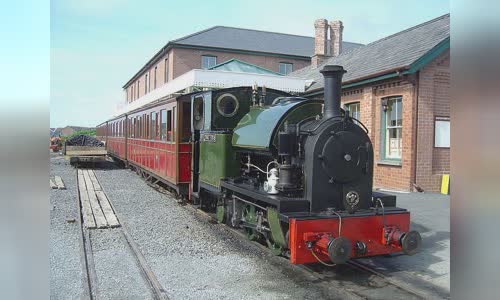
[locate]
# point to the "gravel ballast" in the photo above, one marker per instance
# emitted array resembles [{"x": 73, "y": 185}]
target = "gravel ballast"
[
  {"x": 194, "y": 259},
  {"x": 64, "y": 237},
  {"x": 115, "y": 266}
]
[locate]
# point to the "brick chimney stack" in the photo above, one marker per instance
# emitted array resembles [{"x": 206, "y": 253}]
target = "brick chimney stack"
[
  {"x": 320, "y": 42},
  {"x": 336, "y": 29}
]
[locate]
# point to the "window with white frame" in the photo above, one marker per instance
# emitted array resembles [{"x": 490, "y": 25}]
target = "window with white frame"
[
  {"x": 442, "y": 132},
  {"x": 208, "y": 61},
  {"x": 353, "y": 109},
  {"x": 392, "y": 128},
  {"x": 285, "y": 68}
]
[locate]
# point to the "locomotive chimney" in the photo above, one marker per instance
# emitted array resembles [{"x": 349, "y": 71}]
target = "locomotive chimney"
[{"x": 332, "y": 90}]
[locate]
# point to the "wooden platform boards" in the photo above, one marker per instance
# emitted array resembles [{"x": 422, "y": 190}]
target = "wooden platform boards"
[
  {"x": 59, "y": 184},
  {"x": 96, "y": 209}
]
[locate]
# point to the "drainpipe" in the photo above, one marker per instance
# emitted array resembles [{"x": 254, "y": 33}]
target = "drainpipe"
[{"x": 416, "y": 84}]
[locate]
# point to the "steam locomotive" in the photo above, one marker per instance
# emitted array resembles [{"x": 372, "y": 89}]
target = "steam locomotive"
[{"x": 291, "y": 172}]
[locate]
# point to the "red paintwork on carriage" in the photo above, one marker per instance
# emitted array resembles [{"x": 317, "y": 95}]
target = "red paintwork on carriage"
[
  {"x": 160, "y": 158},
  {"x": 116, "y": 146},
  {"x": 167, "y": 157}
]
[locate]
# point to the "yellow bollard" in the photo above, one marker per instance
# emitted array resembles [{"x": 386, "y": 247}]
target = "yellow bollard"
[{"x": 445, "y": 184}]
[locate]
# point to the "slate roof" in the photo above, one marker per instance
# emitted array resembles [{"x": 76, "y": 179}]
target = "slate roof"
[
  {"x": 254, "y": 40},
  {"x": 397, "y": 51},
  {"x": 248, "y": 40},
  {"x": 236, "y": 65}
]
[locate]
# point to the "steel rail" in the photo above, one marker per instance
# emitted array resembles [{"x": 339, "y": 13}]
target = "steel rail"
[
  {"x": 353, "y": 264},
  {"x": 157, "y": 291}
]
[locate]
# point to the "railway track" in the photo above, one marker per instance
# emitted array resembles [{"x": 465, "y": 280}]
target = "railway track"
[
  {"x": 358, "y": 280},
  {"x": 89, "y": 272},
  {"x": 361, "y": 281}
]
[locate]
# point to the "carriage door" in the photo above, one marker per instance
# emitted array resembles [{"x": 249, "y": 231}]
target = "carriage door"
[{"x": 197, "y": 122}]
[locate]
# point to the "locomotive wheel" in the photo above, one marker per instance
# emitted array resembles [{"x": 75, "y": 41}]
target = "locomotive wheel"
[
  {"x": 275, "y": 248},
  {"x": 221, "y": 211},
  {"x": 250, "y": 217}
]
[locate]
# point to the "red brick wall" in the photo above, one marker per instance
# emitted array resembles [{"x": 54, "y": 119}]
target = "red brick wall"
[
  {"x": 388, "y": 176},
  {"x": 425, "y": 165},
  {"x": 433, "y": 101},
  {"x": 188, "y": 59},
  {"x": 395, "y": 177},
  {"x": 183, "y": 60}
]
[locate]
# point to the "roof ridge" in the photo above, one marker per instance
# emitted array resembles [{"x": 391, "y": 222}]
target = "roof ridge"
[
  {"x": 409, "y": 29},
  {"x": 193, "y": 34},
  {"x": 258, "y": 30}
]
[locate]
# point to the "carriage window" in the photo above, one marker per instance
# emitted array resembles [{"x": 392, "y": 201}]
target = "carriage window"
[
  {"x": 148, "y": 127},
  {"x": 169, "y": 125},
  {"x": 132, "y": 126},
  {"x": 174, "y": 121},
  {"x": 137, "y": 127},
  {"x": 138, "y": 135},
  {"x": 227, "y": 105},
  {"x": 186, "y": 123},
  {"x": 392, "y": 128},
  {"x": 153, "y": 126},
  {"x": 158, "y": 125},
  {"x": 198, "y": 113},
  {"x": 163, "y": 126}
]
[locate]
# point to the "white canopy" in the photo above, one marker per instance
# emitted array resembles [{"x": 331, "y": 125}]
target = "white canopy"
[{"x": 215, "y": 79}]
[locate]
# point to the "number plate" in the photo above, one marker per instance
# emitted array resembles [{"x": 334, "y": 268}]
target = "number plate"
[{"x": 208, "y": 137}]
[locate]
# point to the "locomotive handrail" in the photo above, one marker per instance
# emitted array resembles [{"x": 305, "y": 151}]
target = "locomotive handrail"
[{"x": 362, "y": 125}]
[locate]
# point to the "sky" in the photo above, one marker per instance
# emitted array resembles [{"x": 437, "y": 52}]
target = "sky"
[{"x": 96, "y": 46}]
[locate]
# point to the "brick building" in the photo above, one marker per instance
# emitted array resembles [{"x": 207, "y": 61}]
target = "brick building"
[
  {"x": 278, "y": 52},
  {"x": 399, "y": 88}
]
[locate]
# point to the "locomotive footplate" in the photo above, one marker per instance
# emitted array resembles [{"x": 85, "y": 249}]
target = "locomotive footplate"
[
  {"x": 299, "y": 208},
  {"x": 282, "y": 204}
]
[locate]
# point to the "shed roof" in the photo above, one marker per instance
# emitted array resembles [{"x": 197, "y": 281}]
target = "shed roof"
[
  {"x": 405, "y": 50},
  {"x": 254, "y": 40},
  {"x": 236, "y": 65}
]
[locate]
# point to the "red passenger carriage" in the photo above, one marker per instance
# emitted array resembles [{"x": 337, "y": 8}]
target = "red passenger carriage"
[{"x": 154, "y": 138}]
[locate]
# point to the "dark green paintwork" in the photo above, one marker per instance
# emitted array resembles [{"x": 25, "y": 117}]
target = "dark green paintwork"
[
  {"x": 250, "y": 217},
  {"x": 217, "y": 159},
  {"x": 255, "y": 130},
  {"x": 220, "y": 212},
  {"x": 276, "y": 232}
]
